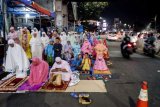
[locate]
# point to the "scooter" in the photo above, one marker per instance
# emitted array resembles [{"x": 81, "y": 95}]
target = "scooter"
[
  {"x": 127, "y": 50},
  {"x": 149, "y": 49}
]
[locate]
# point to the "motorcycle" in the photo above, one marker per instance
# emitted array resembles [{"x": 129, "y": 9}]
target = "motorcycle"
[
  {"x": 149, "y": 49},
  {"x": 134, "y": 44},
  {"x": 127, "y": 50}
]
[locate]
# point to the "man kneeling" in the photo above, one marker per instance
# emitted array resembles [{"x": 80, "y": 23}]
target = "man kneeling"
[{"x": 60, "y": 72}]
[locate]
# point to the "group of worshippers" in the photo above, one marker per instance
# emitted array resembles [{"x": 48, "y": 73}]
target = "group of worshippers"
[{"x": 67, "y": 53}]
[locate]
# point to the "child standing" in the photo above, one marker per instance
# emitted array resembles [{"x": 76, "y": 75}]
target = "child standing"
[{"x": 49, "y": 52}]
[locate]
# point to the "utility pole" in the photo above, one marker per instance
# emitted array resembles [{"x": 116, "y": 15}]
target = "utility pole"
[
  {"x": 74, "y": 6},
  {"x": 155, "y": 19}
]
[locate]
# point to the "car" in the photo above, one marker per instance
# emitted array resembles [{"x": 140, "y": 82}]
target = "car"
[{"x": 112, "y": 36}]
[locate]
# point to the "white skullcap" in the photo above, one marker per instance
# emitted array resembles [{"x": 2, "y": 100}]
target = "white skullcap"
[
  {"x": 11, "y": 41},
  {"x": 58, "y": 59}
]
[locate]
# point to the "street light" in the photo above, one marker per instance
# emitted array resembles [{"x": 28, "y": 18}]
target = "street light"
[
  {"x": 104, "y": 21},
  {"x": 27, "y": 15}
]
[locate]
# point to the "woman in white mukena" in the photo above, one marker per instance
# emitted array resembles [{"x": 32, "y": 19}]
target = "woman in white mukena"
[
  {"x": 36, "y": 46},
  {"x": 16, "y": 59}
]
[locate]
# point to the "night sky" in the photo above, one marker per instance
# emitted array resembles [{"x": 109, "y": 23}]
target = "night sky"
[{"x": 132, "y": 11}]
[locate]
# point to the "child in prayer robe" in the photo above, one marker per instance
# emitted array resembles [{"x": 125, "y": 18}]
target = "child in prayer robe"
[{"x": 86, "y": 63}]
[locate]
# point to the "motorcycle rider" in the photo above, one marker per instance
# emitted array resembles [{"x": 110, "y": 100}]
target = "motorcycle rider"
[
  {"x": 151, "y": 39},
  {"x": 126, "y": 40}
]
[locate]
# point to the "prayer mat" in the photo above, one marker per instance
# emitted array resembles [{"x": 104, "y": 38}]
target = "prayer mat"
[
  {"x": 27, "y": 87},
  {"x": 48, "y": 87},
  {"x": 106, "y": 72},
  {"x": 11, "y": 84},
  {"x": 88, "y": 86}
]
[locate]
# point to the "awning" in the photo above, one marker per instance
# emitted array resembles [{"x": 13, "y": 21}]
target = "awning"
[{"x": 33, "y": 5}]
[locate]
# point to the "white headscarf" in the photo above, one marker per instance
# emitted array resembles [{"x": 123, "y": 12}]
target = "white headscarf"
[
  {"x": 35, "y": 30},
  {"x": 45, "y": 40}
]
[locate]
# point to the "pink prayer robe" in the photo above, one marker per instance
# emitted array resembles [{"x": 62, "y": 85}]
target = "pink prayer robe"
[
  {"x": 38, "y": 72},
  {"x": 101, "y": 50},
  {"x": 100, "y": 64},
  {"x": 86, "y": 47},
  {"x": 95, "y": 42}
]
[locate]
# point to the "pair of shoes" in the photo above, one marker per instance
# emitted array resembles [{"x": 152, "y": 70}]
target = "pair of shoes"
[
  {"x": 91, "y": 78},
  {"x": 105, "y": 78},
  {"x": 83, "y": 95},
  {"x": 73, "y": 94},
  {"x": 99, "y": 77},
  {"x": 84, "y": 99},
  {"x": 109, "y": 63}
]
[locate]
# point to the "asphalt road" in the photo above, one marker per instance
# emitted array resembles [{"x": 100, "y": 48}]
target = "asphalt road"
[{"x": 123, "y": 88}]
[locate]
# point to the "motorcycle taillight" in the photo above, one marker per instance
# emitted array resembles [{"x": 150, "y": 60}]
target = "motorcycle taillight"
[
  {"x": 134, "y": 43},
  {"x": 129, "y": 45}
]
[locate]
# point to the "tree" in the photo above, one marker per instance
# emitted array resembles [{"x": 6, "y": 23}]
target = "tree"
[{"x": 91, "y": 10}]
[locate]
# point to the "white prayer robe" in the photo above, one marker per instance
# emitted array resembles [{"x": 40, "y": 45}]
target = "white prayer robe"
[
  {"x": 36, "y": 47},
  {"x": 45, "y": 40},
  {"x": 63, "y": 39},
  {"x": 66, "y": 76},
  {"x": 16, "y": 60}
]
